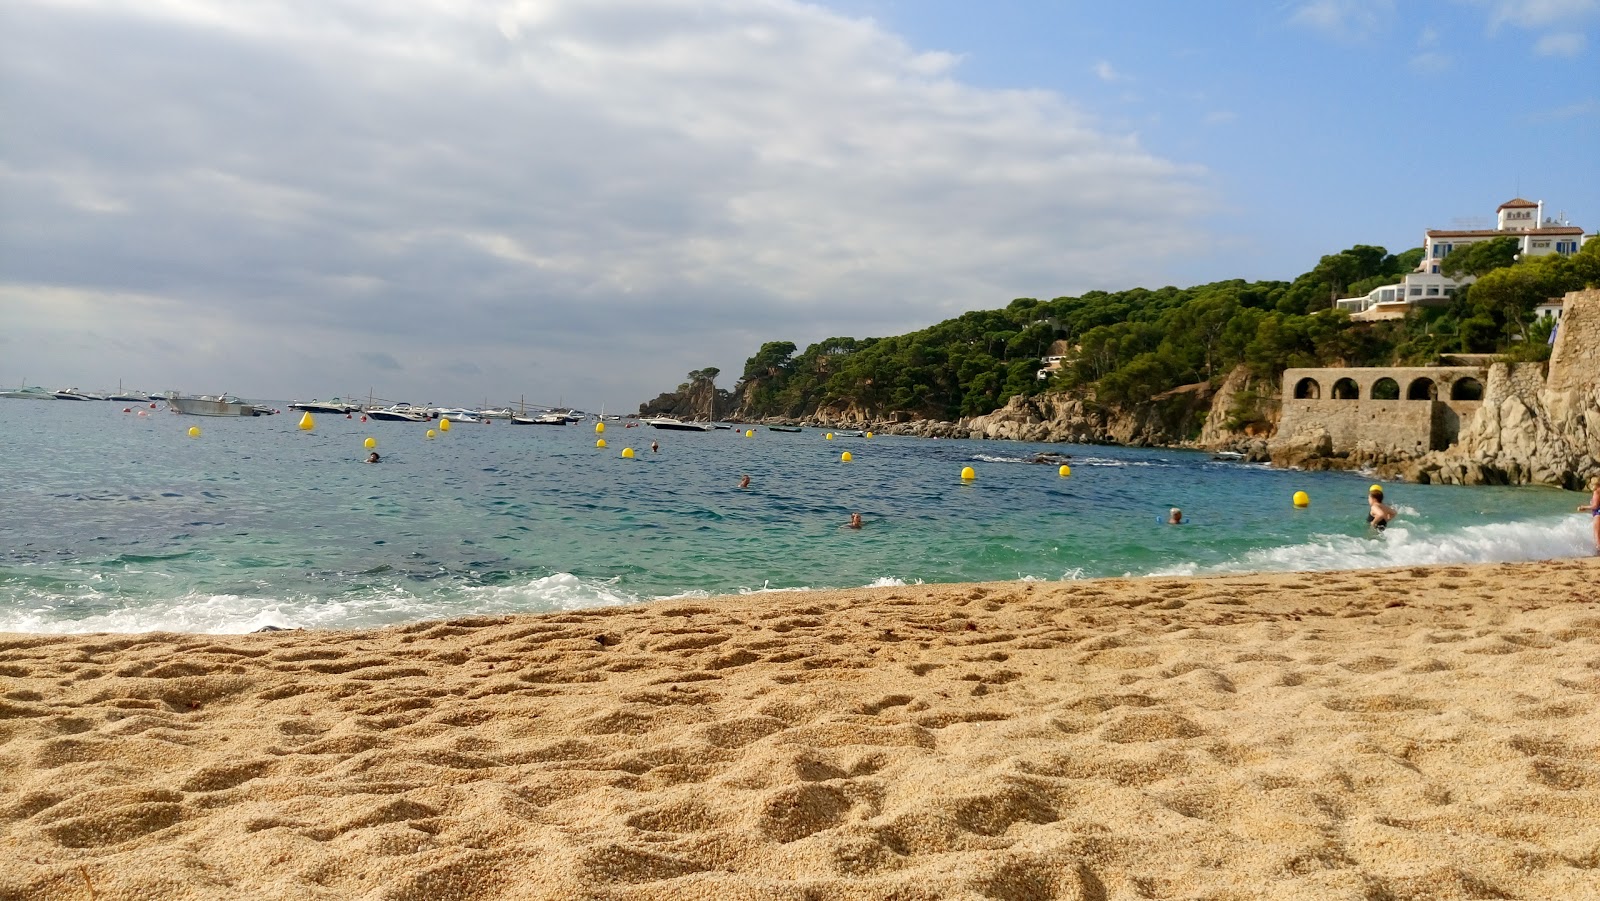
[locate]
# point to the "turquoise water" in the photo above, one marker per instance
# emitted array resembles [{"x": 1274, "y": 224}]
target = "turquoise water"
[{"x": 113, "y": 521}]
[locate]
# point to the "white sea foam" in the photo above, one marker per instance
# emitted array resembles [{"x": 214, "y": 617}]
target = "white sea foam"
[
  {"x": 225, "y": 614},
  {"x": 1411, "y": 544}
]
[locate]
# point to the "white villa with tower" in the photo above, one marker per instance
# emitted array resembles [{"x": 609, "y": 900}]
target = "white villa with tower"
[{"x": 1426, "y": 286}]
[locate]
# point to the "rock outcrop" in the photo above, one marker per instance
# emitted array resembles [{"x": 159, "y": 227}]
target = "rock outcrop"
[
  {"x": 697, "y": 398},
  {"x": 1536, "y": 426}
]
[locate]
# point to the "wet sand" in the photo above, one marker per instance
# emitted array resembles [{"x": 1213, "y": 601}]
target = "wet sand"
[{"x": 1395, "y": 734}]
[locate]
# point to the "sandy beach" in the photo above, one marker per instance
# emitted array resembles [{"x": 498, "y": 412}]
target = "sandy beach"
[{"x": 1393, "y": 734}]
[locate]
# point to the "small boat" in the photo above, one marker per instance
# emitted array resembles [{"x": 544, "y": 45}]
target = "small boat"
[
  {"x": 31, "y": 393},
  {"x": 675, "y": 424},
  {"x": 325, "y": 406},
  {"x": 214, "y": 405},
  {"x": 849, "y": 433},
  {"x": 75, "y": 394},
  {"x": 460, "y": 415},
  {"x": 128, "y": 396},
  {"x": 1228, "y": 457},
  {"x": 784, "y": 428},
  {"x": 502, "y": 413},
  {"x": 399, "y": 413},
  {"x": 540, "y": 419}
]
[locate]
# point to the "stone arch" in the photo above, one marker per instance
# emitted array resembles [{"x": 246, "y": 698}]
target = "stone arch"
[
  {"x": 1422, "y": 388},
  {"x": 1467, "y": 388},
  {"x": 1346, "y": 389},
  {"x": 1307, "y": 389},
  {"x": 1385, "y": 389}
]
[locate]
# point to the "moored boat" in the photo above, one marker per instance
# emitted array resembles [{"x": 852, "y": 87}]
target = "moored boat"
[
  {"x": 214, "y": 405},
  {"x": 674, "y": 424},
  {"x": 325, "y": 406},
  {"x": 784, "y": 428},
  {"x": 540, "y": 419},
  {"x": 460, "y": 415},
  {"x": 28, "y": 393},
  {"x": 399, "y": 413},
  {"x": 75, "y": 394}
]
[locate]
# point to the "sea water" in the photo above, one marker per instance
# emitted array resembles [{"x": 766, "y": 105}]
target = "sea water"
[{"x": 112, "y": 521}]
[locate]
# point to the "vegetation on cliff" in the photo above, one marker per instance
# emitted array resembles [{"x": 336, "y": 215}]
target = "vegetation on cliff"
[{"x": 1128, "y": 348}]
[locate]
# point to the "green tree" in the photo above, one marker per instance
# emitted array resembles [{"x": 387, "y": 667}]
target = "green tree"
[{"x": 1481, "y": 258}]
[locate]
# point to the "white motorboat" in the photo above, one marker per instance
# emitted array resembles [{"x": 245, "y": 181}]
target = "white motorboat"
[
  {"x": 849, "y": 433},
  {"x": 675, "y": 424},
  {"x": 336, "y": 406},
  {"x": 75, "y": 394},
  {"x": 214, "y": 405},
  {"x": 129, "y": 395},
  {"x": 460, "y": 415},
  {"x": 540, "y": 419},
  {"x": 399, "y": 413},
  {"x": 30, "y": 393}
]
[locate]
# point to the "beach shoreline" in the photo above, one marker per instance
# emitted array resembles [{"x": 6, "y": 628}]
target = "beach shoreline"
[{"x": 1407, "y": 733}]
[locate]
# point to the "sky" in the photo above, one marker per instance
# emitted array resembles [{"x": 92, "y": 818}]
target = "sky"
[{"x": 579, "y": 201}]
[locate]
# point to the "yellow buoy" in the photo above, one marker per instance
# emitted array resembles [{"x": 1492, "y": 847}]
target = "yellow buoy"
[
  {"x": 444, "y": 425},
  {"x": 370, "y": 443},
  {"x": 432, "y": 433},
  {"x": 869, "y": 434},
  {"x": 1064, "y": 471},
  {"x": 307, "y": 423},
  {"x": 599, "y": 428},
  {"x": 845, "y": 457},
  {"x": 627, "y": 453},
  {"x": 749, "y": 433},
  {"x": 828, "y": 436},
  {"x": 600, "y": 442},
  {"x": 1301, "y": 499},
  {"x": 194, "y": 431},
  {"x": 968, "y": 473}
]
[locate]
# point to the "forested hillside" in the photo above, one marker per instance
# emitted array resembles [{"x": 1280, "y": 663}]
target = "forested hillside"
[{"x": 1124, "y": 348}]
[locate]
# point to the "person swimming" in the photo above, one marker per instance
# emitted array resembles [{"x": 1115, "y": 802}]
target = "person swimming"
[
  {"x": 744, "y": 482},
  {"x": 1378, "y": 513},
  {"x": 372, "y": 457},
  {"x": 1175, "y": 517},
  {"x": 855, "y": 521}
]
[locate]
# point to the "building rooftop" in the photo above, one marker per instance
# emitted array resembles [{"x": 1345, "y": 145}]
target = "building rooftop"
[
  {"x": 1509, "y": 233},
  {"x": 1516, "y": 204}
]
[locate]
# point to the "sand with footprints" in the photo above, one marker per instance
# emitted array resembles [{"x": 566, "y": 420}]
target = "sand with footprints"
[{"x": 1397, "y": 734}]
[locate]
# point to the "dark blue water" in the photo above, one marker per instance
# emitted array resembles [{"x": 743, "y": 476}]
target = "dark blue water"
[{"x": 113, "y": 521}]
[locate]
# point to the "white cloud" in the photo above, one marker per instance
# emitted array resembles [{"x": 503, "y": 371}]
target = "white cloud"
[
  {"x": 621, "y": 190},
  {"x": 1346, "y": 20},
  {"x": 1567, "y": 43},
  {"x": 1105, "y": 72},
  {"x": 1536, "y": 14}
]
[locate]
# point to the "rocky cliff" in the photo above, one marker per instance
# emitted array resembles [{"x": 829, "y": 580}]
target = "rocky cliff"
[
  {"x": 698, "y": 398},
  {"x": 1537, "y": 425}
]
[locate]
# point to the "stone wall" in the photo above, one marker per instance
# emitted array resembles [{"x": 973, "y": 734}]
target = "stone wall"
[
  {"x": 1339, "y": 404},
  {"x": 1575, "y": 360}
]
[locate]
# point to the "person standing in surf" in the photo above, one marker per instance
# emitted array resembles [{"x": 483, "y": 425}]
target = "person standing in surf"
[
  {"x": 1593, "y": 509},
  {"x": 1378, "y": 512}
]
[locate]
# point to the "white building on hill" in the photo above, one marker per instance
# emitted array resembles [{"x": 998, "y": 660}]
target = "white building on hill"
[{"x": 1426, "y": 286}]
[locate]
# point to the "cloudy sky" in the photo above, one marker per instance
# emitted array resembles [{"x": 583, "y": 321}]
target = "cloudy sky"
[{"x": 581, "y": 200}]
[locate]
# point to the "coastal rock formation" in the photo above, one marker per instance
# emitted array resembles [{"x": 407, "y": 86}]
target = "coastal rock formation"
[
  {"x": 1244, "y": 413},
  {"x": 1533, "y": 428},
  {"x": 698, "y": 398}
]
